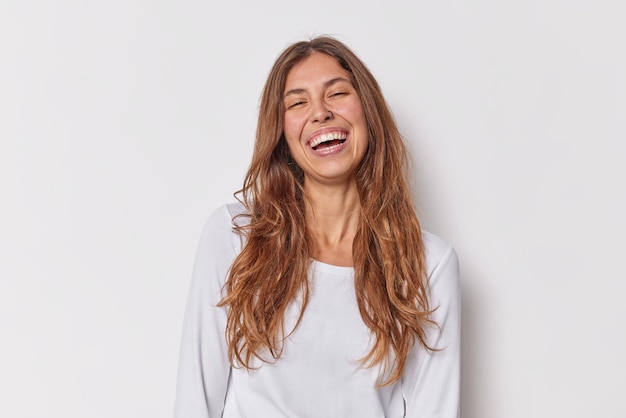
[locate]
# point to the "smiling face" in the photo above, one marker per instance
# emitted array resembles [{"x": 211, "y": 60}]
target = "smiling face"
[{"x": 324, "y": 122}]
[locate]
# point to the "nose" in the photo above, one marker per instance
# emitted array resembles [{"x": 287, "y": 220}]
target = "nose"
[{"x": 321, "y": 113}]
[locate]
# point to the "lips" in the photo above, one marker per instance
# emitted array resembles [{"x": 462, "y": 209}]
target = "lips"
[{"x": 328, "y": 140}]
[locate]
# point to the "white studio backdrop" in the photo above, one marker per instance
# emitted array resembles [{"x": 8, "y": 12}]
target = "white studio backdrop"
[{"x": 123, "y": 124}]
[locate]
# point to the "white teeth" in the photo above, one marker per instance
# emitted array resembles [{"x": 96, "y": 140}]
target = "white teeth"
[{"x": 327, "y": 137}]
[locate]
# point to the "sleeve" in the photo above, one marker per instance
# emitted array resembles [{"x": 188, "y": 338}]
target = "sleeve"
[
  {"x": 204, "y": 369},
  {"x": 431, "y": 382}
]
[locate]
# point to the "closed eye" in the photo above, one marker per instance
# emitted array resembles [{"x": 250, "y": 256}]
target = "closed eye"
[{"x": 296, "y": 104}]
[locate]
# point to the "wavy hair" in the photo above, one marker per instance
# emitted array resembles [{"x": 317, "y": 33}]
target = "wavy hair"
[{"x": 270, "y": 272}]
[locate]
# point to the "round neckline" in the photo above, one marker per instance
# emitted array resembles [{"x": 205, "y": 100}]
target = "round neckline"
[{"x": 331, "y": 268}]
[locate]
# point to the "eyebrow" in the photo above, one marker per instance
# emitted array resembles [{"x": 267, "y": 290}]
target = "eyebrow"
[{"x": 326, "y": 85}]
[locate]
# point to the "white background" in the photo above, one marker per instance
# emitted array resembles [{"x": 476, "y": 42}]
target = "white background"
[{"x": 123, "y": 124}]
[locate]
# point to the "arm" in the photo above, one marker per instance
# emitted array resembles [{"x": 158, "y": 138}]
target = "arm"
[
  {"x": 204, "y": 368},
  {"x": 431, "y": 383}
]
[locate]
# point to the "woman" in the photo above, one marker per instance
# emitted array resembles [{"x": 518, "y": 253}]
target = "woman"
[{"x": 318, "y": 295}]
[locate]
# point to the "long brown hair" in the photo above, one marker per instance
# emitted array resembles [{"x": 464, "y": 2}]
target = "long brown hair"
[{"x": 271, "y": 270}]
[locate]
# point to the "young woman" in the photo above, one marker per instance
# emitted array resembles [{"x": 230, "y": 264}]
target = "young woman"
[{"x": 318, "y": 295}]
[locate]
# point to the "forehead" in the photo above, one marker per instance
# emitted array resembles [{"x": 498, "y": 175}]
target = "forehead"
[{"x": 313, "y": 71}]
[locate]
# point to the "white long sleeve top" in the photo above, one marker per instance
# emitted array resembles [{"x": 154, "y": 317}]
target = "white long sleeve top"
[{"x": 319, "y": 374}]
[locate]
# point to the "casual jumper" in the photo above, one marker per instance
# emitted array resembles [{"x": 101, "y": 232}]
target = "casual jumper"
[{"x": 319, "y": 373}]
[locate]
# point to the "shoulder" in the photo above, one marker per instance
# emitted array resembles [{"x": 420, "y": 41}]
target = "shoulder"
[
  {"x": 441, "y": 259},
  {"x": 218, "y": 232},
  {"x": 225, "y": 217},
  {"x": 236, "y": 210}
]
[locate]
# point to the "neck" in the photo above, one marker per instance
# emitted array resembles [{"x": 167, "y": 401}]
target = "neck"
[{"x": 332, "y": 216}]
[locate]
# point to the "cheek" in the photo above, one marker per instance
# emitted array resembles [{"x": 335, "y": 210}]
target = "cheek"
[
  {"x": 290, "y": 132},
  {"x": 353, "y": 111},
  {"x": 292, "y": 128}
]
